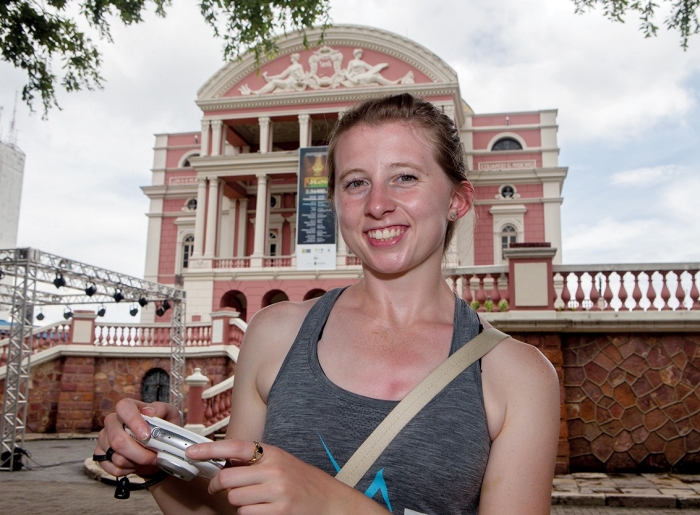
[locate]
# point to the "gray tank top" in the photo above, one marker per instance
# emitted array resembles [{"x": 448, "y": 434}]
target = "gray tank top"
[{"x": 434, "y": 466}]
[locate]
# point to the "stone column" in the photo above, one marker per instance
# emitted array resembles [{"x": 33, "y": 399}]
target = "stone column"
[
  {"x": 530, "y": 278},
  {"x": 242, "y": 226},
  {"x": 304, "y": 130},
  {"x": 195, "y": 405},
  {"x": 265, "y": 139},
  {"x": 261, "y": 204},
  {"x": 216, "y": 137},
  {"x": 204, "y": 151},
  {"x": 200, "y": 216},
  {"x": 212, "y": 217}
]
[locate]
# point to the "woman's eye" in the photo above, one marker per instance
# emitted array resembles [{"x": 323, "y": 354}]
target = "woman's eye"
[
  {"x": 407, "y": 178},
  {"x": 354, "y": 183}
]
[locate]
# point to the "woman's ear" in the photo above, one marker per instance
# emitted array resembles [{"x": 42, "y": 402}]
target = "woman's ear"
[{"x": 461, "y": 202}]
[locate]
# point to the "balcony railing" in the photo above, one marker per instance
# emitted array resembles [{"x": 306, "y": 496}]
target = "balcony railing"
[{"x": 629, "y": 287}]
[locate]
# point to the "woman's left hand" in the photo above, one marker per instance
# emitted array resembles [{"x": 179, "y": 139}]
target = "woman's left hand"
[{"x": 278, "y": 482}]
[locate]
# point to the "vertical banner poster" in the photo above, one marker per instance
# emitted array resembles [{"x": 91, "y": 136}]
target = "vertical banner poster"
[{"x": 316, "y": 246}]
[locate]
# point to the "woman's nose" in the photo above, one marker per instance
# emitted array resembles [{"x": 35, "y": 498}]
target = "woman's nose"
[{"x": 379, "y": 201}]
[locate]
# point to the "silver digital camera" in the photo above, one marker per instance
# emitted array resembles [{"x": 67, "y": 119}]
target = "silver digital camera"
[{"x": 169, "y": 441}]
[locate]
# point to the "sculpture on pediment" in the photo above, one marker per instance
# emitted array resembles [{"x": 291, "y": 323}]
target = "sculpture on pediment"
[
  {"x": 357, "y": 73},
  {"x": 360, "y": 73},
  {"x": 294, "y": 78}
]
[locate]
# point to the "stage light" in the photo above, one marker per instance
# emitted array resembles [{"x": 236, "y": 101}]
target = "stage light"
[
  {"x": 133, "y": 311},
  {"x": 90, "y": 290},
  {"x": 160, "y": 311},
  {"x": 40, "y": 316},
  {"x": 166, "y": 305},
  {"x": 59, "y": 281},
  {"x": 67, "y": 313},
  {"x": 101, "y": 312},
  {"x": 118, "y": 296},
  {"x": 143, "y": 301}
]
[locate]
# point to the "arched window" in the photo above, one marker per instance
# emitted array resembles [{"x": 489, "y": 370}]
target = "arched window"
[
  {"x": 273, "y": 297},
  {"x": 506, "y": 144},
  {"x": 236, "y": 300},
  {"x": 313, "y": 294},
  {"x": 187, "y": 163},
  {"x": 187, "y": 250},
  {"x": 155, "y": 386},
  {"x": 508, "y": 235}
]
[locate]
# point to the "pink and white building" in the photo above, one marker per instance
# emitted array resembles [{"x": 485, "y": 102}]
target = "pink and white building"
[{"x": 223, "y": 210}]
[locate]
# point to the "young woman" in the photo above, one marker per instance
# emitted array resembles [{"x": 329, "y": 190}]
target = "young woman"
[{"x": 315, "y": 378}]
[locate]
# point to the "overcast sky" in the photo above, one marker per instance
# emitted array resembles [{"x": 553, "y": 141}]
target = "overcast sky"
[{"x": 629, "y": 122}]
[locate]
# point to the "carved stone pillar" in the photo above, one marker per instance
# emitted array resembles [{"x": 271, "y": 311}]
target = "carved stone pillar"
[
  {"x": 242, "y": 226},
  {"x": 212, "y": 217},
  {"x": 261, "y": 204},
  {"x": 265, "y": 137},
  {"x": 204, "y": 151},
  {"x": 200, "y": 216},
  {"x": 216, "y": 137},
  {"x": 304, "y": 130}
]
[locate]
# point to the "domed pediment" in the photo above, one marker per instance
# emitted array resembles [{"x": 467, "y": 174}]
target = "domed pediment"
[{"x": 351, "y": 60}]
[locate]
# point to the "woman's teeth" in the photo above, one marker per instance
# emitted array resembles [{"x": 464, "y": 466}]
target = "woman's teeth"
[{"x": 384, "y": 234}]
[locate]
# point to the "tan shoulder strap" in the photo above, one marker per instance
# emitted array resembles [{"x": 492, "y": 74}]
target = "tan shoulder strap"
[{"x": 365, "y": 456}]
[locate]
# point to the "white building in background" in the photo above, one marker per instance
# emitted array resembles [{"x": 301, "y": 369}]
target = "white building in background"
[{"x": 11, "y": 173}]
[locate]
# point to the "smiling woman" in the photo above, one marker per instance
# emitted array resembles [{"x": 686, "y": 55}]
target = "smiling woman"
[{"x": 315, "y": 378}]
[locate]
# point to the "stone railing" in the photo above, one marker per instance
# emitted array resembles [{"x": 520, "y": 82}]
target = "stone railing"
[
  {"x": 630, "y": 287},
  {"x": 43, "y": 338},
  {"x": 241, "y": 262},
  {"x": 639, "y": 287},
  {"x": 197, "y": 334}
]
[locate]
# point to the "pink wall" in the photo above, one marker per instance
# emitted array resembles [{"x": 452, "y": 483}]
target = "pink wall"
[
  {"x": 534, "y": 223},
  {"x": 532, "y": 137},
  {"x": 168, "y": 246},
  {"x": 483, "y": 237},
  {"x": 524, "y": 190},
  {"x": 500, "y": 119},
  {"x": 256, "y": 290}
]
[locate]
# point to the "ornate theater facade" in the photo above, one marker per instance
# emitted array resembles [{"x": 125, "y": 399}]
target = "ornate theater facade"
[{"x": 224, "y": 218}]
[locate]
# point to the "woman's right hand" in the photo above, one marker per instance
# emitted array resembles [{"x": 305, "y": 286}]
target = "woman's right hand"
[{"x": 129, "y": 456}]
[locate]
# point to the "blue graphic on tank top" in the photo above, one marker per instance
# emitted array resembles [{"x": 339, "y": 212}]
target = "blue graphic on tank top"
[{"x": 378, "y": 485}]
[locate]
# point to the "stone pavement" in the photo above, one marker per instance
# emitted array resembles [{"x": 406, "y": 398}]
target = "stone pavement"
[
  {"x": 61, "y": 481},
  {"x": 628, "y": 490}
]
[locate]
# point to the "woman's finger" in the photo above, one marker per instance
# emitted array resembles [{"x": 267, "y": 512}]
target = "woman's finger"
[{"x": 237, "y": 452}]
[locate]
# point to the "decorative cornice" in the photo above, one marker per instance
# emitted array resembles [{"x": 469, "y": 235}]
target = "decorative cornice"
[{"x": 356, "y": 36}]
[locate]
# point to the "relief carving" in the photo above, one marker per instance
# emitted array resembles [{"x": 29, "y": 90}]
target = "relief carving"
[{"x": 357, "y": 73}]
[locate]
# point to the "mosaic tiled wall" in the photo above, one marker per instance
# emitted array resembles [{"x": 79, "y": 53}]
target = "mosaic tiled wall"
[{"x": 633, "y": 402}]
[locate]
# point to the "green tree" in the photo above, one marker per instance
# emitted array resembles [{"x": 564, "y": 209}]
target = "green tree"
[
  {"x": 683, "y": 16},
  {"x": 34, "y": 34}
]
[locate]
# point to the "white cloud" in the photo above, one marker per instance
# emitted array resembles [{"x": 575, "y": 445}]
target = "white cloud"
[{"x": 645, "y": 176}]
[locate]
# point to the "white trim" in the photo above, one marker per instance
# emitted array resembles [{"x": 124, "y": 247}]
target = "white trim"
[
  {"x": 186, "y": 156},
  {"x": 508, "y": 134}
]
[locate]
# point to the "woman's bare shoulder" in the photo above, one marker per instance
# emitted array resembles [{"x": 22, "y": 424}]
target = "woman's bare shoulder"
[
  {"x": 277, "y": 324},
  {"x": 517, "y": 362}
]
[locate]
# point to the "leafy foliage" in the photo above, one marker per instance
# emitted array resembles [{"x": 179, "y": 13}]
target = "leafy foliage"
[
  {"x": 36, "y": 33},
  {"x": 683, "y": 16}
]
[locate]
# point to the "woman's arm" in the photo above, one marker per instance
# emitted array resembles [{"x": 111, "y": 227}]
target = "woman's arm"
[
  {"x": 521, "y": 392},
  {"x": 278, "y": 482}
]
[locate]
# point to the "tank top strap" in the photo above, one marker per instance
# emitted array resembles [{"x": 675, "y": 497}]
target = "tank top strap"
[
  {"x": 316, "y": 317},
  {"x": 466, "y": 326}
]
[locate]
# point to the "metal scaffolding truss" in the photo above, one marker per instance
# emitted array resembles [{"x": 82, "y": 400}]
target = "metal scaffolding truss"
[{"x": 21, "y": 271}]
